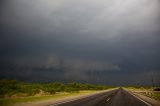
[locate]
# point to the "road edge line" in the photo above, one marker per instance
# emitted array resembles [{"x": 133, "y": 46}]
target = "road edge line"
[{"x": 140, "y": 98}]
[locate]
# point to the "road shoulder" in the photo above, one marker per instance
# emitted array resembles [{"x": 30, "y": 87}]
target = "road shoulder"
[{"x": 149, "y": 100}]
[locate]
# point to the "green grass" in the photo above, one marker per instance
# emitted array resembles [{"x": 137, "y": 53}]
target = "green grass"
[
  {"x": 12, "y": 101},
  {"x": 9, "y": 88},
  {"x": 157, "y": 95},
  {"x": 12, "y": 91},
  {"x": 154, "y": 95}
]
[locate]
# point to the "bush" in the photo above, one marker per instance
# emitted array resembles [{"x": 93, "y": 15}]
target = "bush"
[
  {"x": 8, "y": 87},
  {"x": 157, "y": 89}
]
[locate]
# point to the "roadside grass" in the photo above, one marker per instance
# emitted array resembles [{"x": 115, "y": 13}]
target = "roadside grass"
[
  {"x": 147, "y": 91},
  {"x": 157, "y": 95},
  {"x": 154, "y": 95},
  {"x": 140, "y": 88},
  {"x": 13, "y": 91},
  {"x": 12, "y": 101}
]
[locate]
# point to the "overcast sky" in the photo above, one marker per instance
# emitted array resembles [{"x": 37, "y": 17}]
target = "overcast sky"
[{"x": 114, "y": 42}]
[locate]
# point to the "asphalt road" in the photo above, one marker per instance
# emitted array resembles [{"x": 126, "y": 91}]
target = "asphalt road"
[{"x": 118, "y": 97}]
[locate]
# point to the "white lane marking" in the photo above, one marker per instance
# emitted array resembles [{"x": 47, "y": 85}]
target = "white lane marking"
[
  {"x": 141, "y": 99},
  {"x": 107, "y": 99}
]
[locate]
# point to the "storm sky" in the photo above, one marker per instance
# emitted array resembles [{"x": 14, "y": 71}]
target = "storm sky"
[{"x": 114, "y": 42}]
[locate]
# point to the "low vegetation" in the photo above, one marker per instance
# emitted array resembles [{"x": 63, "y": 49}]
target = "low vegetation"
[
  {"x": 152, "y": 92},
  {"x": 13, "y": 88},
  {"x": 24, "y": 100},
  {"x": 140, "y": 87},
  {"x": 12, "y": 91}
]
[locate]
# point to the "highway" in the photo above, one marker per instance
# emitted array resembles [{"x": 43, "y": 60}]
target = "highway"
[{"x": 118, "y": 97}]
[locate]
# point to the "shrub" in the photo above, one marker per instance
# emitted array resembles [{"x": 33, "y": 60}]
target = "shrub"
[{"x": 157, "y": 89}]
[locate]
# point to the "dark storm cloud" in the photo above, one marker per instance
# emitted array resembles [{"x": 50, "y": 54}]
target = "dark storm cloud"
[{"x": 89, "y": 40}]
